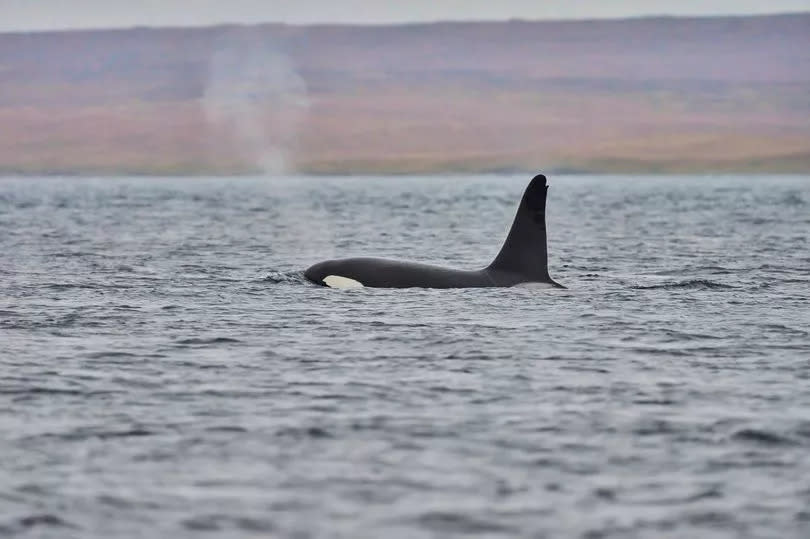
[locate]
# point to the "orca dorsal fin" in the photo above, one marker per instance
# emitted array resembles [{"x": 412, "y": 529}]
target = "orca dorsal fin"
[{"x": 525, "y": 251}]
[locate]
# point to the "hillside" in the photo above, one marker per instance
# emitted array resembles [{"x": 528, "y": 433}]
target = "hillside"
[{"x": 657, "y": 95}]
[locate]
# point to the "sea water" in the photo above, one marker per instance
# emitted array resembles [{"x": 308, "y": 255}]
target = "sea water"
[{"x": 166, "y": 370}]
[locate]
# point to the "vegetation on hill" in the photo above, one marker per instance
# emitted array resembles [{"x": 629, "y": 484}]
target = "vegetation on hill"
[{"x": 721, "y": 94}]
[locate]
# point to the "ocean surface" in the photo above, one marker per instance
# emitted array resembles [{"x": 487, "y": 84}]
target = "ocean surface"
[{"x": 165, "y": 370}]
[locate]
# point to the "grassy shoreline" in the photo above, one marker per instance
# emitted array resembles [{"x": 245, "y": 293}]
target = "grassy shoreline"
[{"x": 794, "y": 164}]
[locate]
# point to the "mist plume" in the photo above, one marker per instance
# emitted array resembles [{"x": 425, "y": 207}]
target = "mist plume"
[{"x": 254, "y": 99}]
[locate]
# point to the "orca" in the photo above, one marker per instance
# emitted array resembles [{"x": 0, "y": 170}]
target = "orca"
[{"x": 522, "y": 261}]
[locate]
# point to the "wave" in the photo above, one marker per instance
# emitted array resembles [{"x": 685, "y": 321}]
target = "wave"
[
  {"x": 285, "y": 277},
  {"x": 692, "y": 284},
  {"x": 41, "y": 519},
  {"x": 762, "y": 436},
  {"x": 212, "y": 340}
]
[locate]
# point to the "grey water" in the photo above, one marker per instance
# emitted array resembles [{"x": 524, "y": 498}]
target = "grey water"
[{"x": 166, "y": 371}]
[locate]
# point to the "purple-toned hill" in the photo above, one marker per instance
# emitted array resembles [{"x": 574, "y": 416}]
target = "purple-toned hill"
[{"x": 656, "y": 94}]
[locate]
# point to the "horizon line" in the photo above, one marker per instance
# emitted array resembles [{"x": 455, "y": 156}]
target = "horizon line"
[{"x": 392, "y": 24}]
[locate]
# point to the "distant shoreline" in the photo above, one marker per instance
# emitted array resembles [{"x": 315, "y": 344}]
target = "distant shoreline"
[
  {"x": 795, "y": 164},
  {"x": 775, "y": 171}
]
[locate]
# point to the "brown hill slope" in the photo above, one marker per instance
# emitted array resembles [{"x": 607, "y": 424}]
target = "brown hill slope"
[{"x": 660, "y": 94}]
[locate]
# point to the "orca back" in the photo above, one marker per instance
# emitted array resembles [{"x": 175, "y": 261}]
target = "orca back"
[{"x": 523, "y": 259}]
